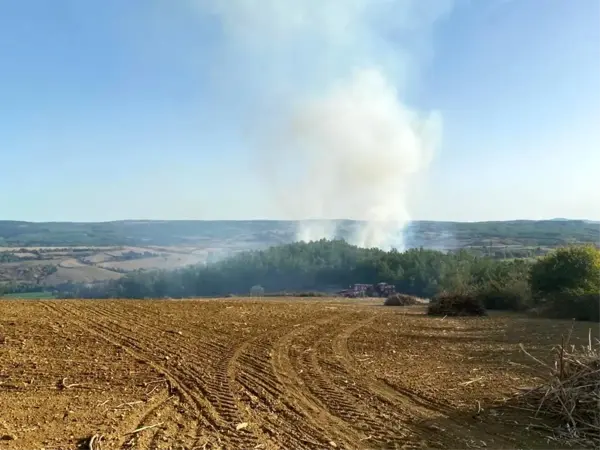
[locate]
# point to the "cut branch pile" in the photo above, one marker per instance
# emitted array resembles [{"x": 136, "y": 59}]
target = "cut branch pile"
[
  {"x": 402, "y": 300},
  {"x": 570, "y": 393}
]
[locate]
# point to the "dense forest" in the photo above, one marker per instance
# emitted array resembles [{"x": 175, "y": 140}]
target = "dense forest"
[{"x": 316, "y": 266}]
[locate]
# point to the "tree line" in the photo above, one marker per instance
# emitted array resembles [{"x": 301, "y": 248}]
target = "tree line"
[
  {"x": 564, "y": 283},
  {"x": 317, "y": 266}
]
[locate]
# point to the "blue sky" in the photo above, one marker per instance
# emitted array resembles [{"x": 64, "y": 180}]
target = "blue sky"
[{"x": 140, "y": 109}]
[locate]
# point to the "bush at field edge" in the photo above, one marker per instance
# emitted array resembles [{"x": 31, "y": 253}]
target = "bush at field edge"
[{"x": 456, "y": 304}]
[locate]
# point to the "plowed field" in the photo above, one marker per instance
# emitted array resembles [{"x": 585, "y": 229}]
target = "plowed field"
[{"x": 270, "y": 374}]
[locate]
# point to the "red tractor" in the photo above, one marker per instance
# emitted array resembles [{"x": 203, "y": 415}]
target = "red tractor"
[{"x": 384, "y": 290}]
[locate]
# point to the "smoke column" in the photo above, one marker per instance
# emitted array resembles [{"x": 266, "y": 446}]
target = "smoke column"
[{"x": 327, "y": 124}]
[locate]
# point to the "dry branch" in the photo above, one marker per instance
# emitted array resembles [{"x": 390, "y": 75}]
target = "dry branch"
[
  {"x": 570, "y": 392},
  {"x": 64, "y": 385},
  {"x": 161, "y": 380},
  {"x": 129, "y": 404},
  {"x": 147, "y": 427},
  {"x": 95, "y": 442},
  {"x": 466, "y": 383}
]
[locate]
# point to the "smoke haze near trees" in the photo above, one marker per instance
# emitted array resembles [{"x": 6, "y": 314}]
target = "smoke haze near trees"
[{"x": 327, "y": 119}]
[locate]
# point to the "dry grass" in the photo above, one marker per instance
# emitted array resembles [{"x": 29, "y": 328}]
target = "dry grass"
[{"x": 570, "y": 393}]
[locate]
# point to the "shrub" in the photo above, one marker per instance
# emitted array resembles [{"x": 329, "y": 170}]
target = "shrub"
[
  {"x": 401, "y": 300},
  {"x": 311, "y": 294},
  {"x": 513, "y": 297},
  {"x": 568, "y": 268},
  {"x": 573, "y": 304},
  {"x": 456, "y": 304}
]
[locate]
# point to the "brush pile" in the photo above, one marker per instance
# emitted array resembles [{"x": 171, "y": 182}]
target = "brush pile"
[
  {"x": 402, "y": 300},
  {"x": 571, "y": 393},
  {"x": 456, "y": 304}
]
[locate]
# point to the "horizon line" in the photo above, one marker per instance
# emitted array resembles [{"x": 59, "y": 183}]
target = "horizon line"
[{"x": 554, "y": 219}]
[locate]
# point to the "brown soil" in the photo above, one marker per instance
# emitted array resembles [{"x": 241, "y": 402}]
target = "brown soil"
[{"x": 272, "y": 374}]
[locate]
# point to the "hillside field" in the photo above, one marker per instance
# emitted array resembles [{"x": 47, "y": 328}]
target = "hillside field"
[
  {"x": 265, "y": 374},
  {"x": 51, "y": 254},
  {"x": 52, "y": 266}
]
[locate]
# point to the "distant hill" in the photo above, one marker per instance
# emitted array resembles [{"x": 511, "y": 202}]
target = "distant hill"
[
  {"x": 142, "y": 233},
  {"x": 262, "y": 233}
]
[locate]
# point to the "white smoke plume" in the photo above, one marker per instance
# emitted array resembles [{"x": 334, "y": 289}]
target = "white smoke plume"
[{"x": 329, "y": 126}]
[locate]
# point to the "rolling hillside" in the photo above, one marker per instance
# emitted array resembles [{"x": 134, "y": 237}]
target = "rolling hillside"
[
  {"x": 250, "y": 233},
  {"x": 59, "y": 252}
]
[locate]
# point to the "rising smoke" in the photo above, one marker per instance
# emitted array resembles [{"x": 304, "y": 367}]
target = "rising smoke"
[{"x": 330, "y": 130}]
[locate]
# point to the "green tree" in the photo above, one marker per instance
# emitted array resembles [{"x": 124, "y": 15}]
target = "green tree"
[
  {"x": 574, "y": 268},
  {"x": 322, "y": 266}
]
